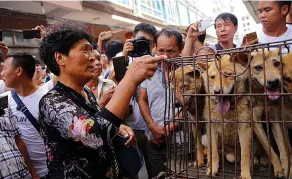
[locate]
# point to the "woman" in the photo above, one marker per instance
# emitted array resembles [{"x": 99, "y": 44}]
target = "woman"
[
  {"x": 78, "y": 136},
  {"x": 103, "y": 89}
]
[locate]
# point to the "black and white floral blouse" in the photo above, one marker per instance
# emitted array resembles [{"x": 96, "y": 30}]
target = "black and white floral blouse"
[{"x": 77, "y": 135}]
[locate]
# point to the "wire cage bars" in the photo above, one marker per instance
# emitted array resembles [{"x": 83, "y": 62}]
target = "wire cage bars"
[{"x": 232, "y": 110}]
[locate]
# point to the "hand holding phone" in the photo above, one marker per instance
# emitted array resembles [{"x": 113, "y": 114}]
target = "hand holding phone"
[
  {"x": 31, "y": 34},
  {"x": 120, "y": 67},
  {"x": 206, "y": 23},
  {"x": 250, "y": 39}
]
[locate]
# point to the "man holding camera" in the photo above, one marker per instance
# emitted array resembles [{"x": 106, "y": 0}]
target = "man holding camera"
[
  {"x": 143, "y": 40},
  {"x": 152, "y": 101}
]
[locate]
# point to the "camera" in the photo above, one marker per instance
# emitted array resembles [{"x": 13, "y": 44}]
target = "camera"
[{"x": 141, "y": 47}]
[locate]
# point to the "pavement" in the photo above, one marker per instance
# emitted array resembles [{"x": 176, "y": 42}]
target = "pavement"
[{"x": 143, "y": 173}]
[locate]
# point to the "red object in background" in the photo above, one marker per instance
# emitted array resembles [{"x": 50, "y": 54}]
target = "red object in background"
[
  {"x": 89, "y": 27},
  {"x": 129, "y": 35}
]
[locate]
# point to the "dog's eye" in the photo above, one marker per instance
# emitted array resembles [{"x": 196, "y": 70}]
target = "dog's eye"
[
  {"x": 258, "y": 68},
  {"x": 212, "y": 77},
  {"x": 228, "y": 74},
  {"x": 287, "y": 79},
  {"x": 277, "y": 63}
]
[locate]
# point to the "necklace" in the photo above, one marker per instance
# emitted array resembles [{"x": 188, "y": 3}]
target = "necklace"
[{"x": 22, "y": 97}]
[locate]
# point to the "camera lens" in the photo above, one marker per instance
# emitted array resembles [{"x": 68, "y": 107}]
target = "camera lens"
[{"x": 142, "y": 47}]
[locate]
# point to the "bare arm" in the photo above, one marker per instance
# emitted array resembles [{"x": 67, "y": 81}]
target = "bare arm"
[
  {"x": 23, "y": 151},
  {"x": 140, "y": 69},
  {"x": 188, "y": 48},
  {"x": 191, "y": 43},
  {"x": 144, "y": 107}
]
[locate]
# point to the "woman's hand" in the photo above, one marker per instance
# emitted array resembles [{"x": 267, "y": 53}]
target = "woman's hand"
[
  {"x": 106, "y": 97},
  {"x": 142, "y": 68},
  {"x": 128, "y": 133}
]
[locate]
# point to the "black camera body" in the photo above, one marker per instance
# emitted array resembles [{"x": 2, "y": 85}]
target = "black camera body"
[{"x": 141, "y": 47}]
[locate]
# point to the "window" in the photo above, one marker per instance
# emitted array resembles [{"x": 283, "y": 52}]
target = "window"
[
  {"x": 7, "y": 37},
  {"x": 247, "y": 24},
  {"x": 243, "y": 24},
  {"x": 242, "y": 18},
  {"x": 152, "y": 8}
]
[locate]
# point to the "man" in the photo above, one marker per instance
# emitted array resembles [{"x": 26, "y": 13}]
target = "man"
[
  {"x": 272, "y": 16},
  {"x": 18, "y": 74},
  {"x": 226, "y": 25},
  {"x": 141, "y": 30},
  {"x": 135, "y": 119},
  {"x": 152, "y": 101}
]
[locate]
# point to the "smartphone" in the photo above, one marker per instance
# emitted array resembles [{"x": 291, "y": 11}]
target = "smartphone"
[
  {"x": 3, "y": 102},
  {"x": 31, "y": 34},
  {"x": 1, "y": 38},
  {"x": 120, "y": 67},
  {"x": 204, "y": 24},
  {"x": 251, "y": 36}
]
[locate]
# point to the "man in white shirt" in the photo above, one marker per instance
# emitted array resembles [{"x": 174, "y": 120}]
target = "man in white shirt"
[
  {"x": 272, "y": 15},
  {"x": 18, "y": 72}
]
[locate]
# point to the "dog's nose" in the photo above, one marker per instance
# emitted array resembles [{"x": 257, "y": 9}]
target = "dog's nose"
[
  {"x": 177, "y": 105},
  {"x": 217, "y": 91},
  {"x": 274, "y": 83}
]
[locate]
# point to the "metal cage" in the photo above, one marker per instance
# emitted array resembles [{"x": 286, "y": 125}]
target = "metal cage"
[{"x": 182, "y": 150}]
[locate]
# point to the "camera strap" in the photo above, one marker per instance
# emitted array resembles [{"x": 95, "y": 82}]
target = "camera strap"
[{"x": 21, "y": 107}]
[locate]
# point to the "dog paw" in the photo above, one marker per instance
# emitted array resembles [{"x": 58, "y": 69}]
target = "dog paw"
[
  {"x": 245, "y": 177},
  {"x": 214, "y": 171},
  {"x": 230, "y": 157},
  {"x": 278, "y": 172},
  {"x": 286, "y": 172},
  {"x": 256, "y": 161},
  {"x": 264, "y": 160}
]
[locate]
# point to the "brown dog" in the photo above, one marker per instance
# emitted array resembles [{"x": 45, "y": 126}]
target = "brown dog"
[
  {"x": 266, "y": 78},
  {"x": 223, "y": 108},
  {"x": 189, "y": 81}
]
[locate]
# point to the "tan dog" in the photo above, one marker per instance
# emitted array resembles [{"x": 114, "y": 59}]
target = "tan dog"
[
  {"x": 287, "y": 77},
  {"x": 222, "y": 108},
  {"x": 266, "y": 78},
  {"x": 189, "y": 81}
]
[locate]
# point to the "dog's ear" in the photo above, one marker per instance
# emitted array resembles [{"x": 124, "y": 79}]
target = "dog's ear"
[
  {"x": 195, "y": 73},
  {"x": 287, "y": 58},
  {"x": 241, "y": 58}
]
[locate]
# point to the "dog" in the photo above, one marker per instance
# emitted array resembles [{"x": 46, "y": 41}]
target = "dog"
[
  {"x": 287, "y": 81},
  {"x": 266, "y": 78},
  {"x": 189, "y": 81},
  {"x": 222, "y": 107}
]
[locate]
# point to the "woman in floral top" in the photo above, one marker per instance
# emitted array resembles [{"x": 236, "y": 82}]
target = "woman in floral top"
[{"x": 78, "y": 135}]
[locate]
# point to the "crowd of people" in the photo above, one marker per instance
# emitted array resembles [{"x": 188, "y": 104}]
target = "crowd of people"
[{"x": 66, "y": 108}]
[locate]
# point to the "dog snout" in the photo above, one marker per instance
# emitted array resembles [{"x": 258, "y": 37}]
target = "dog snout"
[
  {"x": 274, "y": 83},
  {"x": 217, "y": 91},
  {"x": 177, "y": 104}
]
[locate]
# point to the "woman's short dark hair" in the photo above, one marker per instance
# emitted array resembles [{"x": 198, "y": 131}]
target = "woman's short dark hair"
[
  {"x": 112, "y": 48},
  {"x": 60, "y": 37},
  {"x": 227, "y": 16},
  {"x": 25, "y": 61},
  {"x": 147, "y": 28},
  {"x": 170, "y": 32}
]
